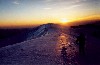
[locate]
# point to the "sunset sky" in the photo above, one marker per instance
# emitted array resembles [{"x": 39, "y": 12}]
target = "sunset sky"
[{"x": 32, "y": 12}]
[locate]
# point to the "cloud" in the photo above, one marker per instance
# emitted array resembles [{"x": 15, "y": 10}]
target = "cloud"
[
  {"x": 79, "y": 0},
  {"x": 16, "y": 2},
  {"x": 47, "y": 0},
  {"x": 73, "y": 6},
  {"x": 47, "y": 8}
]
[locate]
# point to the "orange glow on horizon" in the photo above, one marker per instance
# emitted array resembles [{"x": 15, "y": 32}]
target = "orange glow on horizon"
[{"x": 63, "y": 21}]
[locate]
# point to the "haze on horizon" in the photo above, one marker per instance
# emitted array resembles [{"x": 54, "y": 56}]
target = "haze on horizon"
[{"x": 34, "y": 12}]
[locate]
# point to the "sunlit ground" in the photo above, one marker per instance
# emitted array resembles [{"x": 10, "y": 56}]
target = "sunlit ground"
[{"x": 62, "y": 41}]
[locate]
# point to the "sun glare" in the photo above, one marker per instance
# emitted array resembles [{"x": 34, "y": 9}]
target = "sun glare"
[{"x": 64, "y": 20}]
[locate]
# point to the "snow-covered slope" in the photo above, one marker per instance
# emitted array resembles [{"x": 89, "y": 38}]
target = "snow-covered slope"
[
  {"x": 44, "y": 50},
  {"x": 41, "y": 31},
  {"x": 39, "y": 51}
]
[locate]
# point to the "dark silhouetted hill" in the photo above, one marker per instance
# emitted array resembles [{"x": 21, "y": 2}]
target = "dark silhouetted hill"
[
  {"x": 13, "y": 36},
  {"x": 93, "y": 26}
]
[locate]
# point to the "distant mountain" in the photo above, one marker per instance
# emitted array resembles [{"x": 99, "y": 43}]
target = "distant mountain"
[
  {"x": 88, "y": 24},
  {"x": 83, "y": 22},
  {"x": 92, "y": 26}
]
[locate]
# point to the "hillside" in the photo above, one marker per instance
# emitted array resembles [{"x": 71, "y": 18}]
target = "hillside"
[{"x": 44, "y": 47}]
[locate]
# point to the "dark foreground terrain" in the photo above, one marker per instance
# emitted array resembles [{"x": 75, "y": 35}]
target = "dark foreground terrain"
[{"x": 13, "y": 36}]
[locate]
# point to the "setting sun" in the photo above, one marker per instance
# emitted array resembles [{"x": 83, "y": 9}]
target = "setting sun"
[{"x": 64, "y": 20}]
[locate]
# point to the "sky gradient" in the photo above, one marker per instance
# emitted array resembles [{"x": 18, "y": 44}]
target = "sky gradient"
[{"x": 32, "y": 12}]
